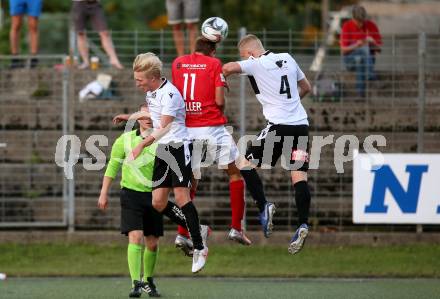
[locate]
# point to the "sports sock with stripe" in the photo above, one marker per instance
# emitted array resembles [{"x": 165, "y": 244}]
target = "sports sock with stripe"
[{"x": 175, "y": 214}]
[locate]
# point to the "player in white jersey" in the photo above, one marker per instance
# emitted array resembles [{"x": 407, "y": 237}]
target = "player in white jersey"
[
  {"x": 172, "y": 165},
  {"x": 274, "y": 78}
]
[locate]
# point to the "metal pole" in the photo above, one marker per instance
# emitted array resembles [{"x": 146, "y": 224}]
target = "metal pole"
[
  {"x": 422, "y": 99},
  {"x": 71, "y": 127},
  {"x": 65, "y": 131},
  {"x": 241, "y": 34}
]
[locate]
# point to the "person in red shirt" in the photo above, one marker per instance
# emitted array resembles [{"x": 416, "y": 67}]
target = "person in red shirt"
[
  {"x": 360, "y": 40},
  {"x": 199, "y": 78}
]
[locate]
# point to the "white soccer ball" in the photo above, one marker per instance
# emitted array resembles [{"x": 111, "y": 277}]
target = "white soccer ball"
[{"x": 215, "y": 29}]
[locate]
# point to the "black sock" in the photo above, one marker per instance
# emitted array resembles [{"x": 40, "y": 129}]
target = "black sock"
[
  {"x": 255, "y": 187},
  {"x": 302, "y": 198},
  {"x": 175, "y": 214},
  {"x": 192, "y": 221}
]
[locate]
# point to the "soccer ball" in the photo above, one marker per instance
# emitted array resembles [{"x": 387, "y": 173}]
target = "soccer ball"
[{"x": 215, "y": 29}]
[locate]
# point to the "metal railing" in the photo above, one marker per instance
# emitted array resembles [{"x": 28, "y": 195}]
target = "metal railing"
[{"x": 39, "y": 105}]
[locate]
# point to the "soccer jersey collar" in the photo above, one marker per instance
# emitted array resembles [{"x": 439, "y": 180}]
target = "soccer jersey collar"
[
  {"x": 266, "y": 53},
  {"x": 165, "y": 81},
  {"x": 153, "y": 93}
]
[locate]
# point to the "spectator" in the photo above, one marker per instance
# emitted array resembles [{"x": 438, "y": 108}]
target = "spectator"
[
  {"x": 360, "y": 41},
  {"x": 92, "y": 9},
  {"x": 188, "y": 12},
  {"x": 19, "y": 8}
]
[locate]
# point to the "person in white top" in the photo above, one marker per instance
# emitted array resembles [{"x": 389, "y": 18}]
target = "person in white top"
[
  {"x": 172, "y": 165},
  {"x": 275, "y": 78}
]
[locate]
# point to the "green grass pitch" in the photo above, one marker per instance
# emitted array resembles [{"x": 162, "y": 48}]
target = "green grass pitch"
[{"x": 202, "y": 287}]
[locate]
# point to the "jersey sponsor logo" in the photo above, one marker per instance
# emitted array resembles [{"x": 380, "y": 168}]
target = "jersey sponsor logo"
[
  {"x": 193, "y": 106},
  {"x": 194, "y": 66},
  {"x": 299, "y": 155}
]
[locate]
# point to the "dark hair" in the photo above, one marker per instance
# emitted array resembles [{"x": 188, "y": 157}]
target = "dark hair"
[
  {"x": 205, "y": 46},
  {"x": 359, "y": 13}
]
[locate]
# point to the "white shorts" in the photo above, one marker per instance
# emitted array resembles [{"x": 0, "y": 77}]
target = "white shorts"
[{"x": 212, "y": 144}]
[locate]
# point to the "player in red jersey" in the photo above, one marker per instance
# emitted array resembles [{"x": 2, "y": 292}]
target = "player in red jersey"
[{"x": 199, "y": 79}]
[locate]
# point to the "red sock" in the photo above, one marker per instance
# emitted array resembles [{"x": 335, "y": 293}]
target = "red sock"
[
  {"x": 236, "y": 196},
  {"x": 180, "y": 229}
]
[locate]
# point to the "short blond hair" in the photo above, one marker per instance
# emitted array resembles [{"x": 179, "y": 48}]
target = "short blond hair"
[
  {"x": 149, "y": 64},
  {"x": 250, "y": 41}
]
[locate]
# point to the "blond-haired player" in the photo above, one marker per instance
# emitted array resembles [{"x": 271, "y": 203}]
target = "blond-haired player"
[{"x": 172, "y": 166}]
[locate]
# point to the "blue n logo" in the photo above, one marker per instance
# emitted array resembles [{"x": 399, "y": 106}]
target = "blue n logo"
[{"x": 385, "y": 179}]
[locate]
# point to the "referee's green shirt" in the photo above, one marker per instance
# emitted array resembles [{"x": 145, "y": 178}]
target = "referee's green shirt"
[{"x": 137, "y": 174}]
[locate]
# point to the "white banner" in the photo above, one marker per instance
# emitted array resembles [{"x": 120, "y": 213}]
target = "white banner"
[{"x": 396, "y": 188}]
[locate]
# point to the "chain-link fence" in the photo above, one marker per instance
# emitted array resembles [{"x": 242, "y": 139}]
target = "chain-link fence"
[{"x": 41, "y": 104}]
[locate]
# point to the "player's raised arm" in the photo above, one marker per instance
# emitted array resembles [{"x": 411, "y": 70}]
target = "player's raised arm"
[
  {"x": 139, "y": 115},
  {"x": 231, "y": 68}
]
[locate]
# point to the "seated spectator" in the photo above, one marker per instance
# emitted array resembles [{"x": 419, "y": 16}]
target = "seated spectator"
[
  {"x": 19, "y": 8},
  {"x": 179, "y": 12},
  {"x": 360, "y": 41},
  {"x": 92, "y": 9}
]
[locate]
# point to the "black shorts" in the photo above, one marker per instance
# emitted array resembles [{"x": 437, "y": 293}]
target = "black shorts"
[
  {"x": 287, "y": 141},
  {"x": 137, "y": 213},
  {"x": 172, "y": 165}
]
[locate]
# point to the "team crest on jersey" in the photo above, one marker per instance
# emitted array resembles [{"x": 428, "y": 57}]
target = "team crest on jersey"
[
  {"x": 178, "y": 65},
  {"x": 153, "y": 95},
  {"x": 280, "y": 63},
  {"x": 171, "y": 94}
]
